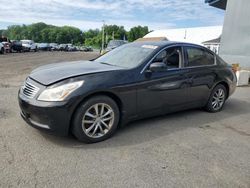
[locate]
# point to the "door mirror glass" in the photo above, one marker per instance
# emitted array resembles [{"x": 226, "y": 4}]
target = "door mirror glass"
[{"x": 158, "y": 67}]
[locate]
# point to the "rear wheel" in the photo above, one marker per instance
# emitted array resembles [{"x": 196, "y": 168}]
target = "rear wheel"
[
  {"x": 217, "y": 99},
  {"x": 96, "y": 119}
]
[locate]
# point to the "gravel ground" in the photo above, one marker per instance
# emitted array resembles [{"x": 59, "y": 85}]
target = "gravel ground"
[{"x": 186, "y": 149}]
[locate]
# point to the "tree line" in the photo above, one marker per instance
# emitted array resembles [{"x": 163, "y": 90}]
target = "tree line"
[{"x": 41, "y": 32}]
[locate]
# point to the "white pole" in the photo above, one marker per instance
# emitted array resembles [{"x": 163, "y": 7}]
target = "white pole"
[{"x": 103, "y": 33}]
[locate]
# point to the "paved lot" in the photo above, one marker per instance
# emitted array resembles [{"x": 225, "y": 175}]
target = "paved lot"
[{"x": 185, "y": 149}]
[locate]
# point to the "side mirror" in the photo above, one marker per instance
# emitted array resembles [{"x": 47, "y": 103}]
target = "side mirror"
[{"x": 158, "y": 67}]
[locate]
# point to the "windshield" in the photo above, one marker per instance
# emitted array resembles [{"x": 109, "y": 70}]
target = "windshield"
[{"x": 128, "y": 55}]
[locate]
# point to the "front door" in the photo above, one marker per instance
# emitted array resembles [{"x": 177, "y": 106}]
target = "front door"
[{"x": 166, "y": 90}]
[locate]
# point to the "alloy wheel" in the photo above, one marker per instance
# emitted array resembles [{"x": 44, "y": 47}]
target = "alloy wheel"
[
  {"x": 98, "y": 120},
  {"x": 218, "y": 99}
]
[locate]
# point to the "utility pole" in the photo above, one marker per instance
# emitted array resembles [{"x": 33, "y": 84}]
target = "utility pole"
[
  {"x": 103, "y": 33},
  {"x": 106, "y": 37}
]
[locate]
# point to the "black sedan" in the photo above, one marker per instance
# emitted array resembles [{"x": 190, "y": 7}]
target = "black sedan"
[
  {"x": 137, "y": 80},
  {"x": 16, "y": 46}
]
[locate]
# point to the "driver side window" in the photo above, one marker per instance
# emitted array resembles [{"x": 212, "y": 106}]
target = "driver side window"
[{"x": 171, "y": 57}]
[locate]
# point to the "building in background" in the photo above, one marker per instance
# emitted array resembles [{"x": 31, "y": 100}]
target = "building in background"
[
  {"x": 235, "y": 39},
  {"x": 213, "y": 45},
  {"x": 196, "y": 35}
]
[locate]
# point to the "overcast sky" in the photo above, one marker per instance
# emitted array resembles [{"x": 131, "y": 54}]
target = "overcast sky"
[{"x": 86, "y": 14}]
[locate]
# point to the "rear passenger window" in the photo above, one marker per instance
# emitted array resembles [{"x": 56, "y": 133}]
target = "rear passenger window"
[{"x": 198, "y": 57}]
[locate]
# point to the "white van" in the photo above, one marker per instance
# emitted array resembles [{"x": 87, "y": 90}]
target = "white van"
[{"x": 29, "y": 45}]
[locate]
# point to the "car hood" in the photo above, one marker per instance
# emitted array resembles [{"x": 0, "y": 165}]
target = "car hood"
[{"x": 52, "y": 73}]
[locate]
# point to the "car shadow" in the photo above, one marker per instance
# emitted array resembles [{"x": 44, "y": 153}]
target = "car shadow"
[{"x": 150, "y": 129}]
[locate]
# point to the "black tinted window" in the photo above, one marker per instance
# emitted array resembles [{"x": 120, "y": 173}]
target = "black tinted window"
[
  {"x": 198, "y": 57},
  {"x": 171, "y": 57}
]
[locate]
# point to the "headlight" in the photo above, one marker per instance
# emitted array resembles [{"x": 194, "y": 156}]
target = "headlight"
[{"x": 59, "y": 93}]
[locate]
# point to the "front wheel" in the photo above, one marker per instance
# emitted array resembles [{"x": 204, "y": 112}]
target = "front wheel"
[
  {"x": 217, "y": 99},
  {"x": 96, "y": 119}
]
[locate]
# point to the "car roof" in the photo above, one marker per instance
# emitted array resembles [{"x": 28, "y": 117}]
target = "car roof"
[{"x": 167, "y": 43}]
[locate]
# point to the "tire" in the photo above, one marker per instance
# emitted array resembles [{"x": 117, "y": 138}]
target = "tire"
[
  {"x": 217, "y": 99},
  {"x": 96, "y": 127}
]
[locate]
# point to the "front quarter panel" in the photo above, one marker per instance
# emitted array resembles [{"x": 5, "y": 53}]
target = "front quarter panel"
[{"x": 119, "y": 83}]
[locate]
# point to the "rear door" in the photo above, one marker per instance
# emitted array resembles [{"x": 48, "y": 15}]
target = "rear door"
[{"x": 200, "y": 63}]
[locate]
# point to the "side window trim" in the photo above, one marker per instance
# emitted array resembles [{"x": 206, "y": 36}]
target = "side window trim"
[
  {"x": 181, "y": 64},
  {"x": 186, "y": 57}
]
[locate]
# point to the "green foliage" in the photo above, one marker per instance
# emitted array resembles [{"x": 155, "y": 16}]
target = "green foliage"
[
  {"x": 117, "y": 31},
  {"x": 41, "y": 32},
  {"x": 2, "y": 32},
  {"x": 137, "y": 32}
]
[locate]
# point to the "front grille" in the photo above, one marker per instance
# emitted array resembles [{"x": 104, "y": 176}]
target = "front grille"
[{"x": 29, "y": 90}]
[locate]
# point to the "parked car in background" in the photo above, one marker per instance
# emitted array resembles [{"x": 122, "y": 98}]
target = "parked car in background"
[
  {"x": 62, "y": 47},
  {"x": 2, "y": 51},
  {"x": 54, "y": 46},
  {"x": 6, "y": 44},
  {"x": 78, "y": 48},
  {"x": 87, "y": 49},
  {"x": 29, "y": 45},
  {"x": 114, "y": 44},
  {"x": 16, "y": 46},
  {"x": 44, "y": 47},
  {"x": 70, "y": 48},
  {"x": 151, "y": 78}
]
